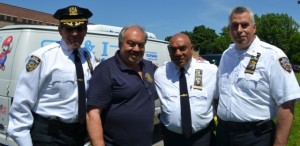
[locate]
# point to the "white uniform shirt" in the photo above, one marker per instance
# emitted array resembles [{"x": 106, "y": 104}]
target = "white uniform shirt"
[
  {"x": 167, "y": 85},
  {"x": 252, "y": 97},
  {"x": 48, "y": 90}
]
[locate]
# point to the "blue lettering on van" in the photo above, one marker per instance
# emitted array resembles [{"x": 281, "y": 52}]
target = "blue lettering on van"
[
  {"x": 46, "y": 42},
  {"x": 89, "y": 45},
  {"x": 104, "y": 53},
  {"x": 151, "y": 55},
  {"x": 105, "y": 47}
]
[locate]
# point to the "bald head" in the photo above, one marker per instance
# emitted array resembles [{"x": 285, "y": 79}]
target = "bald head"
[{"x": 180, "y": 49}]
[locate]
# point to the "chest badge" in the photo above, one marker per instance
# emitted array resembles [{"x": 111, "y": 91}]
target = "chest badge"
[
  {"x": 252, "y": 64},
  {"x": 198, "y": 79},
  {"x": 148, "y": 78}
]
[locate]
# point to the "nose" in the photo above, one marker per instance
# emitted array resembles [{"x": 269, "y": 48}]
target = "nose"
[
  {"x": 239, "y": 28},
  {"x": 177, "y": 52}
]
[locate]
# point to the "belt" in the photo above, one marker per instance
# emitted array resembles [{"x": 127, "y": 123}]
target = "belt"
[
  {"x": 263, "y": 125},
  {"x": 196, "y": 134},
  {"x": 56, "y": 120}
]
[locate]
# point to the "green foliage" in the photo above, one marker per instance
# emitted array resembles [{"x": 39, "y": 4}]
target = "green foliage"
[
  {"x": 277, "y": 29},
  {"x": 280, "y": 30},
  {"x": 202, "y": 38},
  {"x": 295, "y": 133}
]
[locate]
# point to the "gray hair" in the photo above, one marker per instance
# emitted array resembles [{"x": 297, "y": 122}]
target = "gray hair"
[
  {"x": 241, "y": 10},
  {"x": 121, "y": 34}
]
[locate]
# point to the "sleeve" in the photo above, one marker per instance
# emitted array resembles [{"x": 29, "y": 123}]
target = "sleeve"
[
  {"x": 20, "y": 116},
  {"x": 283, "y": 83},
  {"x": 99, "y": 92}
]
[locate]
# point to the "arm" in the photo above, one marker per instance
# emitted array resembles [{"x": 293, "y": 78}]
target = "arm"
[
  {"x": 284, "y": 123},
  {"x": 20, "y": 116},
  {"x": 94, "y": 126}
]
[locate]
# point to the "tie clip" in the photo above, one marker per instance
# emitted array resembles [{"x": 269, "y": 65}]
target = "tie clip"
[
  {"x": 184, "y": 95},
  {"x": 81, "y": 80}
]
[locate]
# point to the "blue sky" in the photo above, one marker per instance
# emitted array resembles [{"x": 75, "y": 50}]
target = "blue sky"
[{"x": 164, "y": 17}]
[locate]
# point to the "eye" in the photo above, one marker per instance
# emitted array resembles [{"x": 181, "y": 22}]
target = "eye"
[{"x": 131, "y": 43}]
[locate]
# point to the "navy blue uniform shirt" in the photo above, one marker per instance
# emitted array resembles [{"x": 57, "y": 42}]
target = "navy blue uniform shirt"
[{"x": 127, "y": 101}]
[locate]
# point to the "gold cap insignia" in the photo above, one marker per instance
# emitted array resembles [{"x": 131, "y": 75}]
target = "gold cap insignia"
[{"x": 73, "y": 11}]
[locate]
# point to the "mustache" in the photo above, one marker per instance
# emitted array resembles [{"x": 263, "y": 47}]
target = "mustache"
[{"x": 135, "y": 52}]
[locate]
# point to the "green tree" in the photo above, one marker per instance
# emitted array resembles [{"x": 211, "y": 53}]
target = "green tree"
[
  {"x": 276, "y": 29},
  {"x": 202, "y": 37},
  {"x": 221, "y": 43},
  {"x": 294, "y": 48}
]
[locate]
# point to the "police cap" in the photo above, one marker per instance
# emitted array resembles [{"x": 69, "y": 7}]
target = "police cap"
[{"x": 73, "y": 16}]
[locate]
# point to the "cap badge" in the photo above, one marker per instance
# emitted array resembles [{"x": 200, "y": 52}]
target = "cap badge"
[{"x": 73, "y": 11}]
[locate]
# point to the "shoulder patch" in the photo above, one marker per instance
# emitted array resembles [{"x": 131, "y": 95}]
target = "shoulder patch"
[
  {"x": 32, "y": 63},
  {"x": 285, "y": 64}
]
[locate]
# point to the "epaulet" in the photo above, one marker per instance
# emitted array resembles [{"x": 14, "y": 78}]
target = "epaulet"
[
  {"x": 203, "y": 61},
  {"x": 34, "y": 60},
  {"x": 280, "y": 56}
]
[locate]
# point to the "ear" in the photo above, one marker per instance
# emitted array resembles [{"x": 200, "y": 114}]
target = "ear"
[
  {"x": 192, "y": 47},
  {"x": 60, "y": 30}
]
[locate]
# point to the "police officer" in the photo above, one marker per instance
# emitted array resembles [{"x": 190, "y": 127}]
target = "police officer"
[
  {"x": 197, "y": 109},
  {"x": 46, "y": 110},
  {"x": 256, "y": 84}
]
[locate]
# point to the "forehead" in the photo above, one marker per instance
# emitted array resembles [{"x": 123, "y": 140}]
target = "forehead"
[
  {"x": 237, "y": 18},
  {"x": 178, "y": 41},
  {"x": 134, "y": 34}
]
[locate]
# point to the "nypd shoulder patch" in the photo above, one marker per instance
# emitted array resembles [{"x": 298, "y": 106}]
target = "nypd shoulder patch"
[
  {"x": 285, "y": 64},
  {"x": 32, "y": 63}
]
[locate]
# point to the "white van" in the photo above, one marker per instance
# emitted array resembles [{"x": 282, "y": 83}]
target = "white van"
[{"x": 20, "y": 40}]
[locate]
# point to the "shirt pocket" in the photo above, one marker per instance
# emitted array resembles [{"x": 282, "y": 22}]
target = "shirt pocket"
[
  {"x": 63, "y": 83},
  {"x": 170, "y": 102},
  {"x": 223, "y": 83},
  {"x": 199, "y": 100},
  {"x": 247, "y": 82}
]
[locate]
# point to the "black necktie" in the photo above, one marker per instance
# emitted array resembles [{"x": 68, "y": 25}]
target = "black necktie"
[
  {"x": 81, "y": 88},
  {"x": 185, "y": 106}
]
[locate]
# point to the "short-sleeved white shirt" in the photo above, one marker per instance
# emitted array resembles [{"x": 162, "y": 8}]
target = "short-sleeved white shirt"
[
  {"x": 253, "y": 91},
  {"x": 201, "y": 79}
]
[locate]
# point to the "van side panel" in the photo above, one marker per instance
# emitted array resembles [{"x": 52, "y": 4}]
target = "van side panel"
[
  {"x": 25, "y": 39},
  {"x": 9, "y": 45}
]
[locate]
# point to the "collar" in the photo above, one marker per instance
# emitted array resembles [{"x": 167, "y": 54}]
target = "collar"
[
  {"x": 69, "y": 51},
  {"x": 187, "y": 66},
  {"x": 251, "y": 51}
]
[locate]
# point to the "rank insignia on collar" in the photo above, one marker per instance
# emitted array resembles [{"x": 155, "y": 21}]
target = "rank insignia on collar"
[
  {"x": 148, "y": 78},
  {"x": 285, "y": 64},
  {"x": 32, "y": 63},
  {"x": 252, "y": 64},
  {"x": 198, "y": 79}
]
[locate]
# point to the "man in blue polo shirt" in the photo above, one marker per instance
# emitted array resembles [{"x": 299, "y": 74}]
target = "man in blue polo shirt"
[{"x": 121, "y": 95}]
